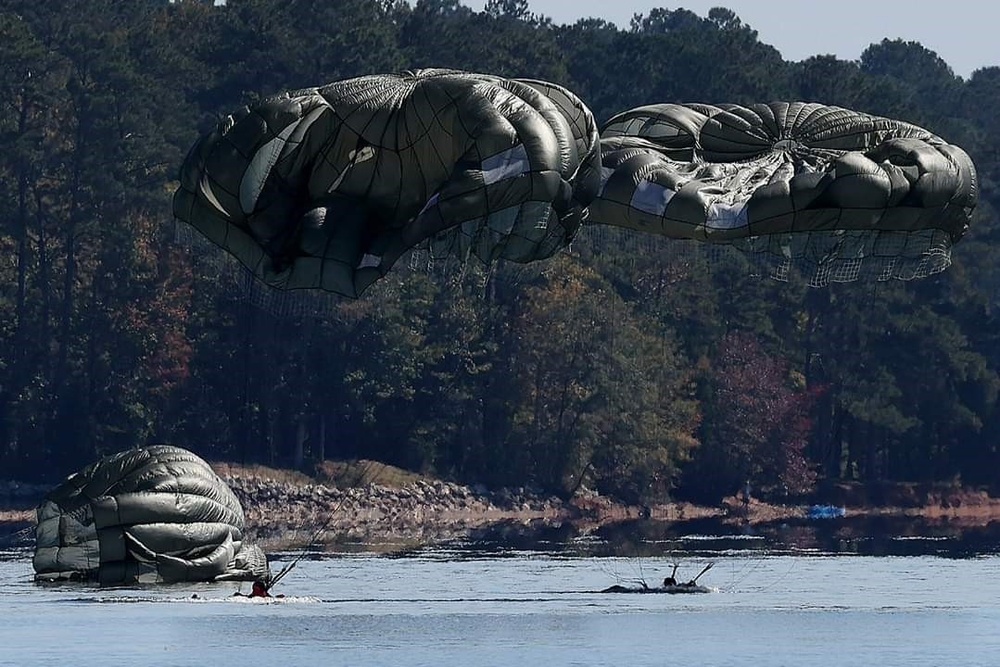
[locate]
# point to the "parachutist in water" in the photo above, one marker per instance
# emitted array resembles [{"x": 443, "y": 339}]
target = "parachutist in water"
[
  {"x": 259, "y": 590},
  {"x": 672, "y": 579}
]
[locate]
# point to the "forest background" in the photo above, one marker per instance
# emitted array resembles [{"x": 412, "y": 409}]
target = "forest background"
[{"x": 646, "y": 370}]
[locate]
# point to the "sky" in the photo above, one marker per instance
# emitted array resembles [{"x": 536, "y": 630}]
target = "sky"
[{"x": 963, "y": 33}]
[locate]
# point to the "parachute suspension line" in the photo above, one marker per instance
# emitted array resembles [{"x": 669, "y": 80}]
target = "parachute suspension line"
[
  {"x": 636, "y": 577},
  {"x": 873, "y": 297},
  {"x": 250, "y": 286},
  {"x": 19, "y": 536},
  {"x": 457, "y": 277},
  {"x": 618, "y": 364},
  {"x": 489, "y": 278},
  {"x": 750, "y": 568},
  {"x": 322, "y": 529}
]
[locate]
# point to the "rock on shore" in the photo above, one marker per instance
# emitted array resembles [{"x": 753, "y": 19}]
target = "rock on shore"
[
  {"x": 286, "y": 509},
  {"x": 283, "y": 512},
  {"x": 298, "y": 511}
]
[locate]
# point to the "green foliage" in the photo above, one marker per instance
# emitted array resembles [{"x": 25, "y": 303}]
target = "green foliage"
[
  {"x": 758, "y": 426},
  {"x": 640, "y": 368}
]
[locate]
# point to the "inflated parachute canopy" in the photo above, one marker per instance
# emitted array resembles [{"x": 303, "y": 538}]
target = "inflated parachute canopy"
[
  {"x": 152, "y": 514},
  {"x": 325, "y": 188},
  {"x": 837, "y": 193}
]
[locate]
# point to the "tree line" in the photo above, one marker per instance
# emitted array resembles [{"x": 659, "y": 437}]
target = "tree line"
[{"x": 642, "y": 368}]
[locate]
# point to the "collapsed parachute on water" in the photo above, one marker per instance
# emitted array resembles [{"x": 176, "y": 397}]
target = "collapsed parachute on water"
[
  {"x": 327, "y": 187},
  {"x": 152, "y": 514},
  {"x": 838, "y": 193}
]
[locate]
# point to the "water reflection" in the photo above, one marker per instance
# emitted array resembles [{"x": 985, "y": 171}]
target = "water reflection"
[
  {"x": 868, "y": 536},
  {"x": 859, "y": 535}
]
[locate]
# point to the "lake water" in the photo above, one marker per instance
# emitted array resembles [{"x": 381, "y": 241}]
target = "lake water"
[{"x": 527, "y": 599}]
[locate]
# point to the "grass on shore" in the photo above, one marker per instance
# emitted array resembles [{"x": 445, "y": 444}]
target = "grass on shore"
[{"x": 342, "y": 474}]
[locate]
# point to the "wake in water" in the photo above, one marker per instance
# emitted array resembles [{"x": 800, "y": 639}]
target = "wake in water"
[{"x": 195, "y": 598}]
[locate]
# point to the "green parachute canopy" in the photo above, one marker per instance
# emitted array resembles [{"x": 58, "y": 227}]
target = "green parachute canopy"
[
  {"x": 152, "y": 514},
  {"x": 838, "y": 193},
  {"x": 326, "y": 188}
]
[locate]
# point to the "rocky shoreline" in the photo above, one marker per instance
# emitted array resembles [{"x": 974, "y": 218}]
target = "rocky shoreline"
[
  {"x": 283, "y": 514},
  {"x": 285, "y": 511}
]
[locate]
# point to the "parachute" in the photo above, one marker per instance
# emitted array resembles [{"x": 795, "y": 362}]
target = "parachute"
[
  {"x": 325, "y": 188},
  {"x": 152, "y": 514},
  {"x": 840, "y": 194}
]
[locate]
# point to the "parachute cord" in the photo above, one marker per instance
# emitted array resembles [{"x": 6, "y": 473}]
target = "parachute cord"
[
  {"x": 793, "y": 562},
  {"x": 489, "y": 278},
  {"x": 746, "y": 572},
  {"x": 322, "y": 529},
  {"x": 20, "y": 535},
  {"x": 743, "y": 573},
  {"x": 621, "y": 579},
  {"x": 247, "y": 342}
]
